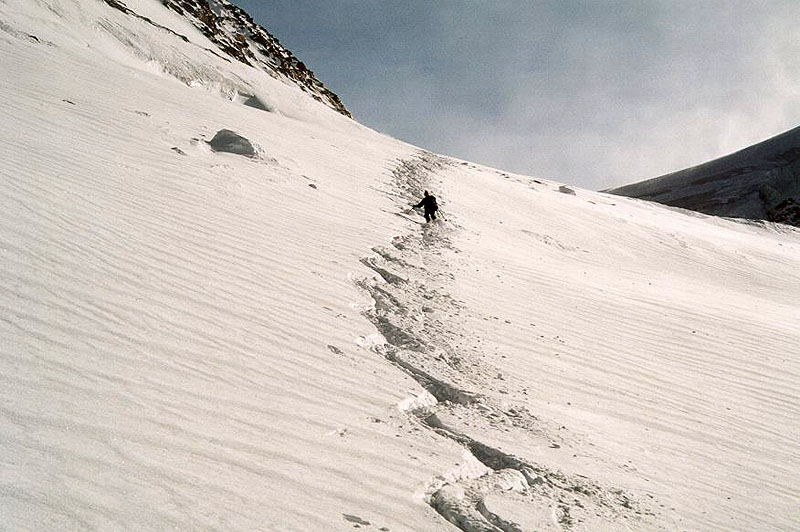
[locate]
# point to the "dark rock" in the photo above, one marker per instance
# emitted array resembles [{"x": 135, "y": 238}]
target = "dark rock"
[
  {"x": 786, "y": 212},
  {"x": 228, "y": 141},
  {"x": 355, "y": 519},
  {"x": 256, "y": 103}
]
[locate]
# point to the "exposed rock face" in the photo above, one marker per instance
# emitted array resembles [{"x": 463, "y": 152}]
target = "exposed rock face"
[
  {"x": 786, "y": 212},
  {"x": 751, "y": 183},
  {"x": 239, "y": 37}
]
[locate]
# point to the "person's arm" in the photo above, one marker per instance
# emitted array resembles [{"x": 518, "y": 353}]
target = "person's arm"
[{"x": 418, "y": 205}]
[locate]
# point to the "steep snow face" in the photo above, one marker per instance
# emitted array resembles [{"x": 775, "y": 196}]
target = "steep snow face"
[
  {"x": 265, "y": 337},
  {"x": 223, "y": 30},
  {"x": 236, "y": 34},
  {"x": 753, "y": 183}
]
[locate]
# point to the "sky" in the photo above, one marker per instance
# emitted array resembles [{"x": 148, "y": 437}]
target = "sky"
[{"x": 594, "y": 93}]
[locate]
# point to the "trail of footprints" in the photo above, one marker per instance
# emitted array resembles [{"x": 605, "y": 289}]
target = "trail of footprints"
[{"x": 421, "y": 325}]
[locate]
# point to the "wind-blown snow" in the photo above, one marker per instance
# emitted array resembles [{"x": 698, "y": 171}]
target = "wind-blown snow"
[{"x": 196, "y": 339}]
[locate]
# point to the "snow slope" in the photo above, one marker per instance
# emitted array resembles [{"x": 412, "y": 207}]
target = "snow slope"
[
  {"x": 750, "y": 183},
  {"x": 198, "y": 339}
]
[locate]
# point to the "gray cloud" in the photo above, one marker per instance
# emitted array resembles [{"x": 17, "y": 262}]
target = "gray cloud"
[{"x": 593, "y": 93}]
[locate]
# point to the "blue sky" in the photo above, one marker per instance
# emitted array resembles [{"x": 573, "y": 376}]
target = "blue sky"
[{"x": 593, "y": 93}]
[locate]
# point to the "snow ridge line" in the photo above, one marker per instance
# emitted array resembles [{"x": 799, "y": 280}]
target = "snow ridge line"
[
  {"x": 120, "y": 6},
  {"x": 419, "y": 322}
]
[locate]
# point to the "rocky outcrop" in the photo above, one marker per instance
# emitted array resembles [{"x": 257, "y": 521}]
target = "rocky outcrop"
[{"x": 786, "y": 212}]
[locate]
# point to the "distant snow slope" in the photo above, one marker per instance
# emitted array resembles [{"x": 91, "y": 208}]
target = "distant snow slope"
[
  {"x": 750, "y": 183},
  {"x": 200, "y": 339}
]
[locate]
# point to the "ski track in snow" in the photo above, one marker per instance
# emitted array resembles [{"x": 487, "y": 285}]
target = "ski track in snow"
[
  {"x": 682, "y": 369},
  {"x": 166, "y": 318},
  {"x": 426, "y": 338},
  {"x": 198, "y": 340}
]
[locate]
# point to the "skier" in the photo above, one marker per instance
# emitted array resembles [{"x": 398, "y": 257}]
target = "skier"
[{"x": 429, "y": 203}]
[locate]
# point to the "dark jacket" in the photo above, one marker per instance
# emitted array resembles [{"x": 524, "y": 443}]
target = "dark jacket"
[{"x": 428, "y": 203}]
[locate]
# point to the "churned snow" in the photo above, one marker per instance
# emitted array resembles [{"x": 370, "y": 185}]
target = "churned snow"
[{"x": 198, "y": 339}]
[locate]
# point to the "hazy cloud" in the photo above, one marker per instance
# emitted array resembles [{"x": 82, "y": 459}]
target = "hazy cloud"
[{"x": 593, "y": 93}]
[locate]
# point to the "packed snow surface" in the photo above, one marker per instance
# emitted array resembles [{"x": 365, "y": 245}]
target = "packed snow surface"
[{"x": 195, "y": 339}]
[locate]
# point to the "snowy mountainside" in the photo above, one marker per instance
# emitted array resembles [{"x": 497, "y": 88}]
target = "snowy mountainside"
[
  {"x": 254, "y": 332},
  {"x": 229, "y": 29},
  {"x": 761, "y": 182},
  {"x": 239, "y": 36}
]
